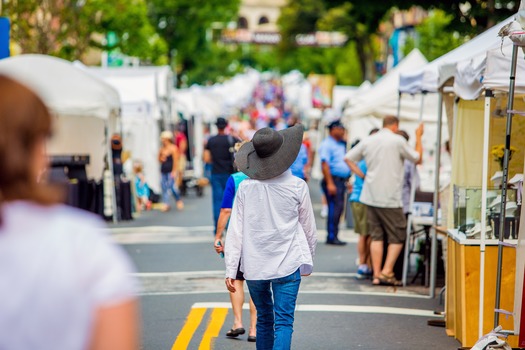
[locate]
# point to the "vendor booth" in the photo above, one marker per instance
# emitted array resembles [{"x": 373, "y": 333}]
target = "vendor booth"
[
  {"x": 146, "y": 108},
  {"x": 86, "y": 111},
  {"x": 474, "y": 217}
]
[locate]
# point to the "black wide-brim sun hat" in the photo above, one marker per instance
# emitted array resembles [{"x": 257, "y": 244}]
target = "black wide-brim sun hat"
[{"x": 270, "y": 153}]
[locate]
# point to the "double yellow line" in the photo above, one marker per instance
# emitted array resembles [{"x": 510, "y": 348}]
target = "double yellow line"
[{"x": 193, "y": 321}]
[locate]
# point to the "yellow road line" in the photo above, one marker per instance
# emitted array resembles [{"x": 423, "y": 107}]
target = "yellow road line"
[
  {"x": 214, "y": 326},
  {"x": 192, "y": 322}
]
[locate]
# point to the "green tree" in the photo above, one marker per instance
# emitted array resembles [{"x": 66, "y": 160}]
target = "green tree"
[
  {"x": 470, "y": 17},
  {"x": 184, "y": 24},
  {"x": 433, "y": 39},
  {"x": 298, "y": 17},
  {"x": 70, "y": 28}
]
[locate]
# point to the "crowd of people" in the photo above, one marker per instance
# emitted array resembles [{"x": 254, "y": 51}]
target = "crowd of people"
[{"x": 264, "y": 223}]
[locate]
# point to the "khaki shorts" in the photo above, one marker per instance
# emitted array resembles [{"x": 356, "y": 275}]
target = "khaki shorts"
[
  {"x": 360, "y": 219},
  {"x": 391, "y": 221}
]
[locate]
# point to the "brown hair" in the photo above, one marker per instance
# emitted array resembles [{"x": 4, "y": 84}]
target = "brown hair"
[
  {"x": 404, "y": 134},
  {"x": 25, "y": 122},
  {"x": 390, "y": 120}
]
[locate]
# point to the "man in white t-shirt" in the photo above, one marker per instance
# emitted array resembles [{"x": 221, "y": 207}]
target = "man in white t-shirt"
[{"x": 384, "y": 153}]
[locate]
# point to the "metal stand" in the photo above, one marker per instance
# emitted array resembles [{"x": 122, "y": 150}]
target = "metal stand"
[{"x": 510, "y": 113}]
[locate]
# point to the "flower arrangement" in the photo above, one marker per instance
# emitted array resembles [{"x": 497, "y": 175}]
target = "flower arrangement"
[{"x": 498, "y": 152}]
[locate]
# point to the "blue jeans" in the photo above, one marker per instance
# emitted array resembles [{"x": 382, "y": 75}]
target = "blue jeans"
[
  {"x": 336, "y": 204},
  {"x": 218, "y": 185},
  {"x": 168, "y": 185},
  {"x": 275, "y": 315}
]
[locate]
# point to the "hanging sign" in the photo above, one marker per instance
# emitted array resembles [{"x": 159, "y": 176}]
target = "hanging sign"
[{"x": 4, "y": 37}]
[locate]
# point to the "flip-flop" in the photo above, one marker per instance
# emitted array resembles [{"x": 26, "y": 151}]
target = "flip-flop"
[{"x": 235, "y": 332}]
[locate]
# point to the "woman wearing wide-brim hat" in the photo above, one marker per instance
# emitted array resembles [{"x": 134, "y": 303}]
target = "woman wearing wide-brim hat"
[{"x": 272, "y": 232}]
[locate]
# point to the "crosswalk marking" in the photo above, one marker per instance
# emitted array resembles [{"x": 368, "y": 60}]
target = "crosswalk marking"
[
  {"x": 338, "y": 308},
  {"x": 218, "y": 316},
  {"x": 188, "y": 235},
  {"x": 192, "y": 322},
  {"x": 220, "y": 311}
]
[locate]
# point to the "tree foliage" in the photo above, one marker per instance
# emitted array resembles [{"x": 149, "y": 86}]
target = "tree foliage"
[
  {"x": 69, "y": 28},
  {"x": 184, "y": 25},
  {"x": 433, "y": 40},
  {"x": 473, "y": 16}
]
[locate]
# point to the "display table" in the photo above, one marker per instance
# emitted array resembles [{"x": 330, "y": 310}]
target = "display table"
[
  {"x": 426, "y": 222},
  {"x": 463, "y": 286}
]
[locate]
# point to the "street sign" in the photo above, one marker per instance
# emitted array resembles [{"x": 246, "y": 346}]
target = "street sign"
[{"x": 4, "y": 37}]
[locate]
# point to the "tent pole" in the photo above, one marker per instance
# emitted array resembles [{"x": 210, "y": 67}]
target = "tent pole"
[
  {"x": 407, "y": 245},
  {"x": 109, "y": 159},
  {"x": 433, "y": 252},
  {"x": 399, "y": 105},
  {"x": 406, "y": 261},
  {"x": 484, "y": 188},
  {"x": 510, "y": 105}
]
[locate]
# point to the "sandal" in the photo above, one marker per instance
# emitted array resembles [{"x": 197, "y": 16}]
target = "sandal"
[
  {"x": 234, "y": 333},
  {"x": 387, "y": 280}
]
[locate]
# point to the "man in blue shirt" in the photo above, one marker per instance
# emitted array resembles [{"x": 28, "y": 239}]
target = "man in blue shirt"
[
  {"x": 300, "y": 163},
  {"x": 335, "y": 174}
]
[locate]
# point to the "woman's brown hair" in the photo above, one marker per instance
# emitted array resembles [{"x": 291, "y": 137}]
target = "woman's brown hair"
[{"x": 25, "y": 123}]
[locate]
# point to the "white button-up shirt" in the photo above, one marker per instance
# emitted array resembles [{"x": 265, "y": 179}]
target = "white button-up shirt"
[
  {"x": 272, "y": 229},
  {"x": 384, "y": 154}
]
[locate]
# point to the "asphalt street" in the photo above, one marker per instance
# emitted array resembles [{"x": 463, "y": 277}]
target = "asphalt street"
[{"x": 185, "y": 303}]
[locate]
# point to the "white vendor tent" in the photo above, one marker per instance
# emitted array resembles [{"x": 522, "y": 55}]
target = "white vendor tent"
[
  {"x": 146, "y": 105},
  {"x": 237, "y": 91},
  {"x": 198, "y": 105},
  {"x": 488, "y": 71},
  {"x": 366, "y": 110},
  {"x": 432, "y": 76},
  {"x": 382, "y": 98},
  {"x": 83, "y": 105}
]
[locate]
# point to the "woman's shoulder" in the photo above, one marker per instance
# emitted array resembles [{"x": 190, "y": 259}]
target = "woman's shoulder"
[{"x": 50, "y": 215}]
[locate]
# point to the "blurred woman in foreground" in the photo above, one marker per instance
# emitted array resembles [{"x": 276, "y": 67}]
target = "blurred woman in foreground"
[{"x": 63, "y": 284}]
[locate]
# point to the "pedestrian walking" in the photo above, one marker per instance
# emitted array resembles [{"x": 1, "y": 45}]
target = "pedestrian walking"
[
  {"x": 219, "y": 152},
  {"x": 384, "y": 154},
  {"x": 63, "y": 284},
  {"x": 181, "y": 141},
  {"x": 335, "y": 175},
  {"x": 272, "y": 232},
  {"x": 237, "y": 297},
  {"x": 169, "y": 170}
]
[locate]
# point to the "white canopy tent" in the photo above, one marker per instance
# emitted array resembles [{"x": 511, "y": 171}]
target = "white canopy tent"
[
  {"x": 432, "y": 76},
  {"x": 204, "y": 104},
  {"x": 237, "y": 91},
  {"x": 198, "y": 105},
  {"x": 298, "y": 92},
  {"x": 146, "y": 105},
  {"x": 86, "y": 109},
  {"x": 491, "y": 71},
  {"x": 366, "y": 110},
  {"x": 82, "y": 105}
]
